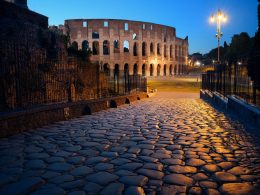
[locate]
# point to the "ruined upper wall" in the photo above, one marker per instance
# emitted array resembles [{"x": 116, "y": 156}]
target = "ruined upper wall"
[
  {"x": 9, "y": 11},
  {"x": 144, "y": 29},
  {"x": 20, "y": 3}
]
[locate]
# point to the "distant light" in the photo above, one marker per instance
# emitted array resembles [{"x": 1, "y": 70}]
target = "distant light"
[
  {"x": 197, "y": 63},
  {"x": 212, "y": 19},
  {"x": 224, "y": 18},
  {"x": 239, "y": 63}
]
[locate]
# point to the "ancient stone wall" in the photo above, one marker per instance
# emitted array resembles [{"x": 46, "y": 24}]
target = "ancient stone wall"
[
  {"x": 34, "y": 65},
  {"x": 139, "y": 48},
  {"x": 9, "y": 11}
]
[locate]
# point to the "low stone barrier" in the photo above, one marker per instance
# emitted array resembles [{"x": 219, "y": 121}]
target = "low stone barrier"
[
  {"x": 18, "y": 121},
  {"x": 243, "y": 110}
]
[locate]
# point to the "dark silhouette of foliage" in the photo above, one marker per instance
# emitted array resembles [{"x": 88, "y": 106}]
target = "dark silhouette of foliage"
[{"x": 254, "y": 60}]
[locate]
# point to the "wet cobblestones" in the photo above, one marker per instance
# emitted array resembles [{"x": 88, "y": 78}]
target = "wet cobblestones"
[{"x": 156, "y": 146}]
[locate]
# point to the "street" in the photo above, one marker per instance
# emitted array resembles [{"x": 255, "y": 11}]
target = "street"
[{"x": 166, "y": 144}]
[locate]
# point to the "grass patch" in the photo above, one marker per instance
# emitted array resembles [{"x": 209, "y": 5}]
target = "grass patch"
[{"x": 177, "y": 84}]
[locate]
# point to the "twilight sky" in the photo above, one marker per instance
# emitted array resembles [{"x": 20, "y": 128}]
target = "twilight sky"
[{"x": 189, "y": 17}]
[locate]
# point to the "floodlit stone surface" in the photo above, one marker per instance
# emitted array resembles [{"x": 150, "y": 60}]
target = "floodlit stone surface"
[{"x": 161, "y": 145}]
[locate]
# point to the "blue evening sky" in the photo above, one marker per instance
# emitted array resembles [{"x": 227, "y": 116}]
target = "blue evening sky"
[{"x": 189, "y": 17}]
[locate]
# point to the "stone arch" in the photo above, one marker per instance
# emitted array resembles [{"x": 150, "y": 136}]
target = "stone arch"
[
  {"x": 151, "y": 48},
  {"x": 126, "y": 78},
  {"x": 170, "y": 70},
  {"x": 176, "y": 51},
  {"x": 144, "y": 70},
  {"x": 116, "y": 46},
  {"x": 175, "y": 69},
  {"x": 170, "y": 51},
  {"x": 158, "y": 70},
  {"x": 112, "y": 104},
  {"x": 144, "y": 49},
  {"x": 135, "y": 51},
  {"x": 164, "y": 70},
  {"x": 75, "y": 45},
  {"x": 127, "y": 101},
  {"x": 126, "y": 46},
  {"x": 86, "y": 110},
  {"x": 95, "y": 48},
  {"x": 134, "y": 36},
  {"x": 151, "y": 70},
  {"x": 85, "y": 45},
  {"x": 159, "y": 49},
  {"x": 165, "y": 51},
  {"x": 106, "y": 69},
  {"x": 164, "y": 39},
  {"x": 116, "y": 78},
  {"x": 135, "y": 69},
  {"x": 106, "y": 47}
]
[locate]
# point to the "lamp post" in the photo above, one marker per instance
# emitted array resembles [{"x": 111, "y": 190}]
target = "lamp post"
[{"x": 218, "y": 18}]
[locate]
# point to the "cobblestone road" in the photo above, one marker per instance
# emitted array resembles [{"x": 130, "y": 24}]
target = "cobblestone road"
[{"x": 160, "y": 145}]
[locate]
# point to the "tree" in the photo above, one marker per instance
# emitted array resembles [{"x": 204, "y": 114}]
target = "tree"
[
  {"x": 240, "y": 45},
  {"x": 254, "y": 59}
]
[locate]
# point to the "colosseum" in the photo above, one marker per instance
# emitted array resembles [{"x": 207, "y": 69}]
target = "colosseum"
[{"x": 141, "y": 48}]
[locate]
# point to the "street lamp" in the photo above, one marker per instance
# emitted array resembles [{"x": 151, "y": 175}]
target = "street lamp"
[{"x": 218, "y": 18}]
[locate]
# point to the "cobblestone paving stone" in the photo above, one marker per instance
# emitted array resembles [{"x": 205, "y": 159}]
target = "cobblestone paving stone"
[{"x": 156, "y": 146}]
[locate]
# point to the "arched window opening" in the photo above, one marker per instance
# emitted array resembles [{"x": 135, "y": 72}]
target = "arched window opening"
[
  {"x": 165, "y": 51},
  {"x": 151, "y": 48},
  {"x": 151, "y": 70},
  {"x": 158, "y": 49},
  {"x": 106, "y": 47},
  {"x": 116, "y": 46},
  {"x": 85, "y": 45},
  {"x": 164, "y": 70},
  {"x": 74, "y": 45},
  {"x": 95, "y": 35},
  {"x": 171, "y": 51},
  {"x": 135, "y": 69},
  {"x": 126, "y": 77},
  {"x": 106, "y": 69},
  {"x": 95, "y": 48},
  {"x": 135, "y": 49},
  {"x": 170, "y": 70},
  {"x": 126, "y": 46},
  {"x": 175, "y": 69},
  {"x": 143, "y": 70},
  {"x": 134, "y": 36},
  {"x": 116, "y": 78},
  {"x": 158, "y": 70},
  {"x": 143, "y": 49}
]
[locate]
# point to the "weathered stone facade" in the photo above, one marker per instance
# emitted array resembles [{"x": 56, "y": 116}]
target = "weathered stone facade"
[
  {"x": 35, "y": 67},
  {"x": 143, "y": 48}
]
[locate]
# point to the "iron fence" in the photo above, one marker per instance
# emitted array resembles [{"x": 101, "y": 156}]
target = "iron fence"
[{"x": 232, "y": 80}]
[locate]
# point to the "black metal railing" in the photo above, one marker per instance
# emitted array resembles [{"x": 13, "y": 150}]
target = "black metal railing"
[{"x": 232, "y": 80}]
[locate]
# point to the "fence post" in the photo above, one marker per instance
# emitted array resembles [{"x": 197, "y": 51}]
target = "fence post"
[{"x": 254, "y": 92}]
